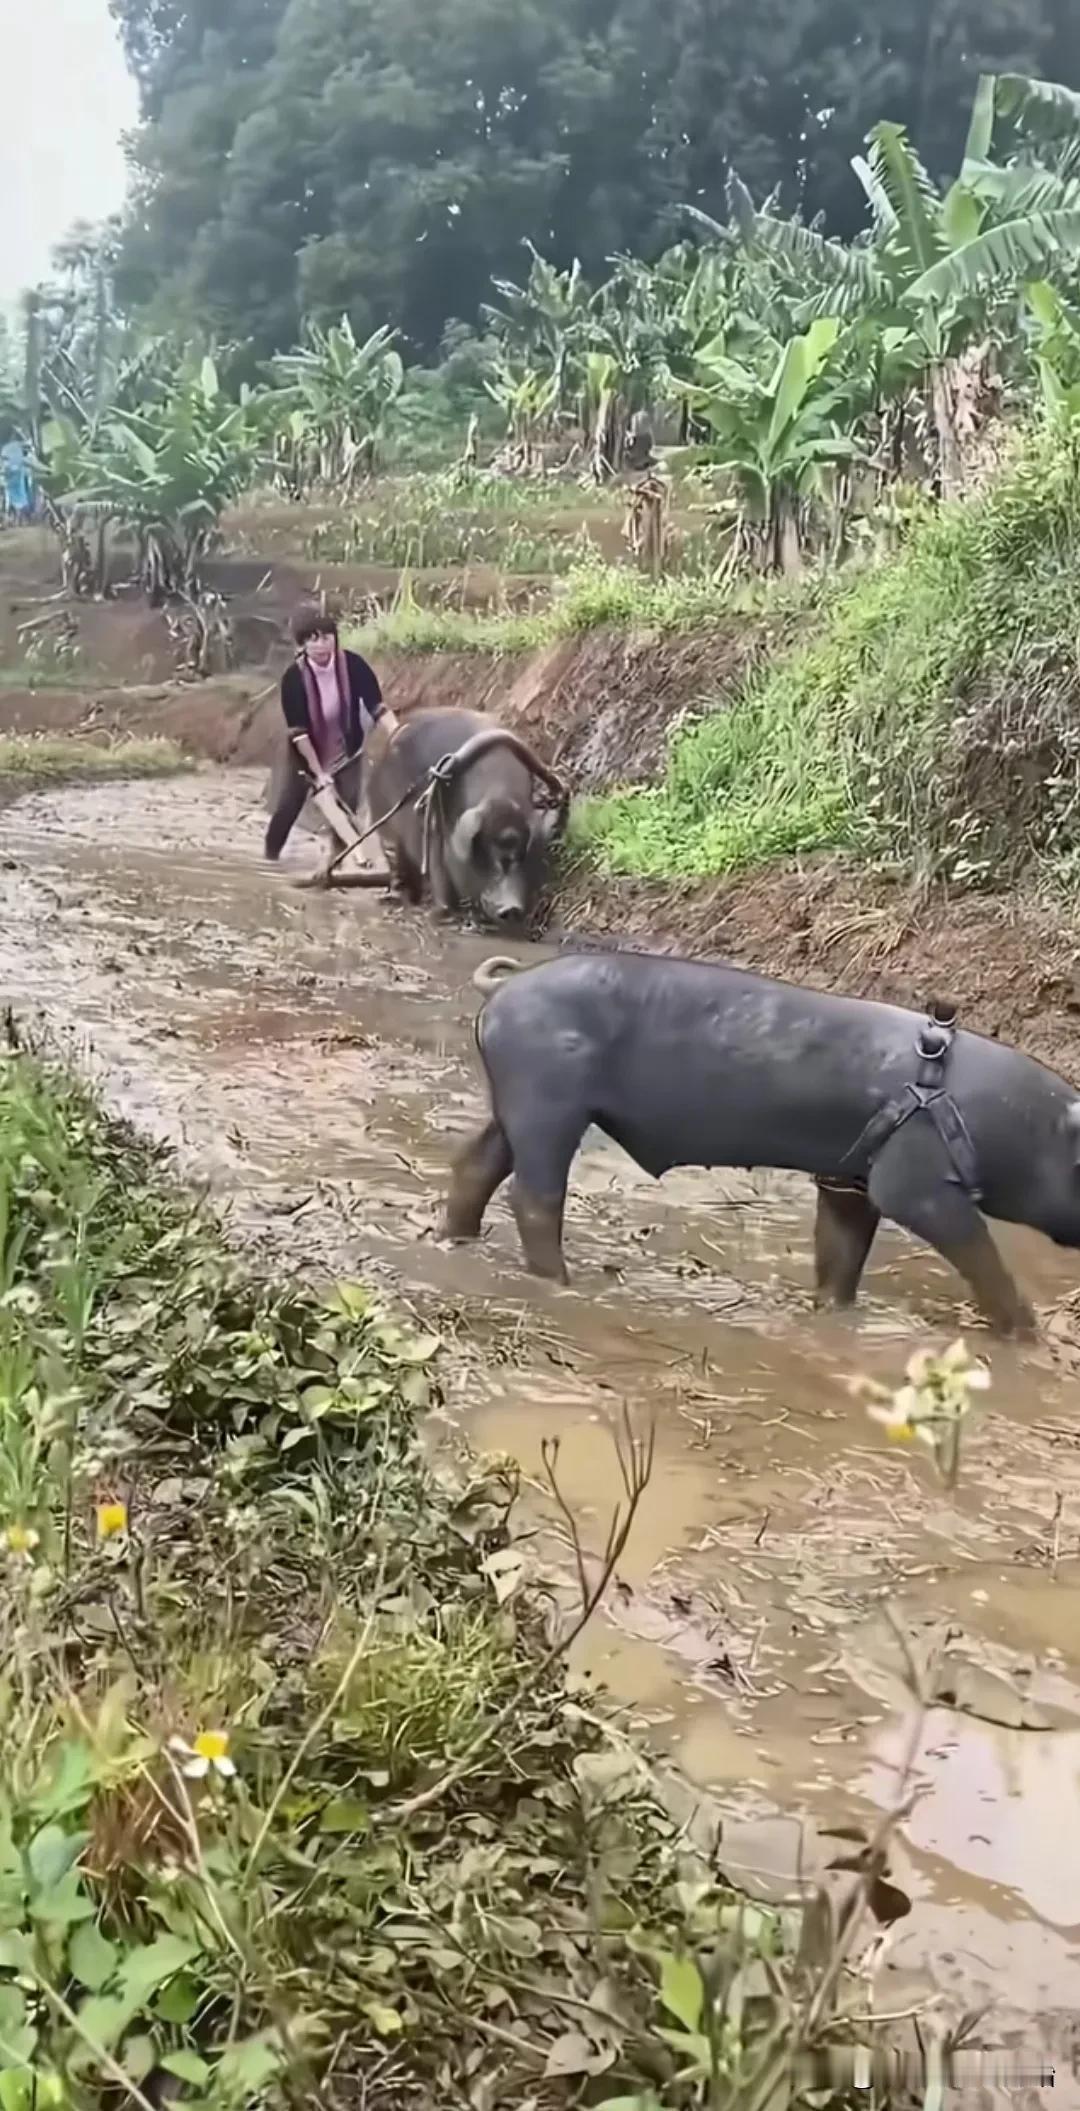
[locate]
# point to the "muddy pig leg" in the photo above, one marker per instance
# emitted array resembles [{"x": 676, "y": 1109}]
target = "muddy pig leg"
[
  {"x": 843, "y": 1235},
  {"x": 543, "y": 1142},
  {"x": 479, "y": 1168},
  {"x": 913, "y": 1182},
  {"x": 408, "y": 878},
  {"x": 539, "y": 1219}
]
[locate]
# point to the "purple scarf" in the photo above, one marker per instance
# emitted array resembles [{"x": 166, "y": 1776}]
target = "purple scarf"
[{"x": 314, "y": 703}]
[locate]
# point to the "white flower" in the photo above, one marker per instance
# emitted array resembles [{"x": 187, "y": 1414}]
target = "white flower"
[{"x": 209, "y": 1753}]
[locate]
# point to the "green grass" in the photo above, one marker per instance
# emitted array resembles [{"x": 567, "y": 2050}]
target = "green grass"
[
  {"x": 216, "y": 1516},
  {"x": 541, "y": 528},
  {"x": 593, "y": 597},
  {"x": 520, "y": 530},
  {"x": 44, "y": 672},
  {"x": 29, "y": 759},
  {"x": 933, "y": 716}
]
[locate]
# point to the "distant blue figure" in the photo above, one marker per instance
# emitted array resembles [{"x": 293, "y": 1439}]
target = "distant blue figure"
[{"x": 18, "y": 488}]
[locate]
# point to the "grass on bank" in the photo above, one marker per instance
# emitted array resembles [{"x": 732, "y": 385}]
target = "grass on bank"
[
  {"x": 37, "y": 673},
  {"x": 594, "y": 596},
  {"x": 932, "y": 718},
  {"x": 29, "y": 759},
  {"x": 295, "y": 1806}
]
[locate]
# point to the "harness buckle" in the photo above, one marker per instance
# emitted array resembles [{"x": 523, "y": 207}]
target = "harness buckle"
[{"x": 925, "y": 1094}]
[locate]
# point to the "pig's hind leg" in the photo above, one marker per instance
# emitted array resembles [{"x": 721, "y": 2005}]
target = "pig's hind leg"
[
  {"x": 544, "y": 1136},
  {"x": 913, "y": 1183},
  {"x": 843, "y": 1235},
  {"x": 479, "y": 1168}
]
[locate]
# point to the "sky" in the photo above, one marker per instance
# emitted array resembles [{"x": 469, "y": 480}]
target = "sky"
[{"x": 67, "y": 98}]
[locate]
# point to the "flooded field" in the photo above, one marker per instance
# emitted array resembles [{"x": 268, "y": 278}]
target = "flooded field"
[{"x": 311, "y": 1056}]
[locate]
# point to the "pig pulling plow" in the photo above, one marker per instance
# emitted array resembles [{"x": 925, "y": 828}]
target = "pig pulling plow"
[{"x": 428, "y": 791}]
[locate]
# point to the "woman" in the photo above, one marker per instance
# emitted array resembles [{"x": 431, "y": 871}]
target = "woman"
[{"x": 326, "y": 695}]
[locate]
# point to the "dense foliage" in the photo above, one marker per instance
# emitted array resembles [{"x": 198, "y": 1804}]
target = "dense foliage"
[
  {"x": 301, "y": 157},
  {"x": 931, "y": 716},
  {"x": 294, "y": 1804}
]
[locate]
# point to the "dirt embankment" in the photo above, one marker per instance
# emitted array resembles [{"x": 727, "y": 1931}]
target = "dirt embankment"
[
  {"x": 1010, "y": 966},
  {"x": 600, "y": 707}
]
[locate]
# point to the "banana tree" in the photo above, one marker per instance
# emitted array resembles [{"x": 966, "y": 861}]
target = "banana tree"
[
  {"x": 695, "y": 302},
  {"x": 778, "y": 432},
  {"x": 1057, "y": 349},
  {"x": 619, "y": 374},
  {"x": 167, "y": 473},
  {"x": 333, "y": 402},
  {"x": 936, "y": 261},
  {"x": 545, "y": 326},
  {"x": 527, "y": 399}
]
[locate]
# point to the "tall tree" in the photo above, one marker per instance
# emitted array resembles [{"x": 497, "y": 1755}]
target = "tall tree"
[{"x": 384, "y": 158}]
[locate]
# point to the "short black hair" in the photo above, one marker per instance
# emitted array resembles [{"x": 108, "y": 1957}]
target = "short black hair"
[{"x": 311, "y": 621}]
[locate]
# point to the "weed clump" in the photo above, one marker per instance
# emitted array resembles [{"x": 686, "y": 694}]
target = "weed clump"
[
  {"x": 592, "y": 596},
  {"x": 28, "y": 759}
]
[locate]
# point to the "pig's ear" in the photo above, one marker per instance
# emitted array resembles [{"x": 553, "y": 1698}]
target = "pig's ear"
[
  {"x": 1072, "y": 1127},
  {"x": 466, "y": 831},
  {"x": 548, "y": 823}
]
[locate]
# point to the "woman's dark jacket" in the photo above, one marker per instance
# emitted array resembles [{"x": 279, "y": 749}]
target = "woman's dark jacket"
[{"x": 363, "y": 685}]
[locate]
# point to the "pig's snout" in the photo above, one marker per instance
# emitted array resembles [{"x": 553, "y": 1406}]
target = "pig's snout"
[{"x": 504, "y": 905}]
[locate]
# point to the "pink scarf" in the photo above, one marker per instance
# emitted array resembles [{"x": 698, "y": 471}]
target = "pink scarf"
[{"x": 314, "y": 701}]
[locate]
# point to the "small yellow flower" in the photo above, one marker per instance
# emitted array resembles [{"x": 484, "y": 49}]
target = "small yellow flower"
[
  {"x": 208, "y": 1753},
  {"x": 20, "y": 1541},
  {"x": 896, "y": 1416},
  {"x": 112, "y": 1520}
]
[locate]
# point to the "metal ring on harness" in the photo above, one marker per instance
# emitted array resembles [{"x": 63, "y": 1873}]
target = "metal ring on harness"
[{"x": 925, "y": 1095}]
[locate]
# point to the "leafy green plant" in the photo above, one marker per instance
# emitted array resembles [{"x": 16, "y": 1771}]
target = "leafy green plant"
[
  {"x": 435, "y": 521},
  {"x": 165, "y": 471},
  {"x": 287, "y": 1758},
  {"x": 930, "y": 717},
  {"x": 334, "y": 398},
  {"x": 776, "y": 432}
]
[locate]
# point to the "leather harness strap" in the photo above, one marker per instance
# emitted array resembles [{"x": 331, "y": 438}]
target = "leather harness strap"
[{"x": 927, "y": 1095}]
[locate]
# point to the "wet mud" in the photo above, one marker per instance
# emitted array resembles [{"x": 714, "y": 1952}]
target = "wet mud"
[{"x": 311, "y": 1057}]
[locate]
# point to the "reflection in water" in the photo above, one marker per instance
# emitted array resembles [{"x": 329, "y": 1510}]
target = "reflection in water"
[
  {"x": 313, "y": 1056},
  {"x": 999, "y": 1805}
]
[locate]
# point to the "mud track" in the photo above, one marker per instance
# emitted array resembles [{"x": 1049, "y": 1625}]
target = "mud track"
[{"x": 311, "y": 1057}]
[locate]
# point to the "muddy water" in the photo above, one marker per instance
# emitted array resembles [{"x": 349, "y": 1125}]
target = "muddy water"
[{"x": 312, "y": 1056}]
